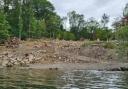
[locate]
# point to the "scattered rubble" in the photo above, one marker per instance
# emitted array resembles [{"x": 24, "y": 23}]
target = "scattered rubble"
[
  {"x": 12, "y": 42},
  {"x": 43, "y": 52},
  {"x": 94, "y": 51}
]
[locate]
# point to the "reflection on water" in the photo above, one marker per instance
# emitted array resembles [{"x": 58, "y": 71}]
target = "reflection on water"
[{"x": 53, "y": 79}]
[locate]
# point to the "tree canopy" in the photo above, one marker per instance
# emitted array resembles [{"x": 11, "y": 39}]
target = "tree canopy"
[{"x": 37, "y": 18}]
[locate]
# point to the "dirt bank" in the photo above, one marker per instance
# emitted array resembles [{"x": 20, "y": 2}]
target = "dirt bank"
[{"x": 49, "y": 52}]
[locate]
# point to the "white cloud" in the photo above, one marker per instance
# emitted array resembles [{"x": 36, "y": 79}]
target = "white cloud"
[{"x": 90, "y": 8}]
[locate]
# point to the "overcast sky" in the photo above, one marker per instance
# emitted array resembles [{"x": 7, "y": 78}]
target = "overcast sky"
[{"x": 90, "y": 8}]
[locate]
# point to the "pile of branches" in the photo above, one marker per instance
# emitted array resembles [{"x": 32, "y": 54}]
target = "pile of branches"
[{"x": 12, "y": 42}]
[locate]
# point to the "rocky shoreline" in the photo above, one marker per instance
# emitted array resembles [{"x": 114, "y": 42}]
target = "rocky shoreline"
[{"x": 77, "y": 66}]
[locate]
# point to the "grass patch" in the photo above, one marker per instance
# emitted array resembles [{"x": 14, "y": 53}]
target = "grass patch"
[
  {"x": 88, "y": 43},
  {"x": 109, "y": 45}
]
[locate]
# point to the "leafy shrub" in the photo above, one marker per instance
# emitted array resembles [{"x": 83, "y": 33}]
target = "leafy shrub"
[
  {"x": 4, "y": 28},
  {"x": 109, "y": 45},
  {"x": 122, "y": 33},
  {"x": 122, "y": 51},
  {"x": 68, "y": 36},
  {"x": 88, "y": 43}
]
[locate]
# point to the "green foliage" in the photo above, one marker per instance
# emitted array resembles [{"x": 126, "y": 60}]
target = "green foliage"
[
  {"x": 40, "y": 29},
  {"x": 122, "y": 33},
  {"x": 42, "y": 9},
  {"x": 109, "y": 45},
  {"x": 37, "y": 19},
  {"x": 60, "y": 35},
  {"x": 65, "y": 35},
  {"x": 84, "y": 33},
  {"x": 31, "y": 18},
  {"x": 53, "y": 25},
  {"x": 68, "y": 36},
  {"x": 76, "y": 23},
  {"x": 92, "y": 26},
  {"x": 4, "y": 27},
  {"x": 33, "y": 27},
  {"x": 122, "y": 51},
  {"x": 103, "y": 34},
  {"x": 88, "y": 43}
]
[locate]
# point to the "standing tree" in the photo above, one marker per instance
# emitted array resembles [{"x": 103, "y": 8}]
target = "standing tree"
[
  {"x": 4, "y": 27},
  {"x": 125, "y": 15},
  {"x": 92, "y": 25},
  {"x": 125, "y": 11},
  {"x": 105, "y": 20},
  {"x": 22, "y": 14},
  {"x": 76, "y": 22},
  {"x": 64, "y": 22}
]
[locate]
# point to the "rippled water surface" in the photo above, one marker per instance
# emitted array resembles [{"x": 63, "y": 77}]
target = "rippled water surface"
[{"x": 54, "y": 79}]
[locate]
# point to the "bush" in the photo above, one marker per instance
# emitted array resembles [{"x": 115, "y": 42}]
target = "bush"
[
  {"x": 103, "y": 35},
  {"x": 68, "y": 36},
  {"x": 4, "y": 28},
  {"x": 122, "y": 51},
  {"x": 88, "y": 43},
  {"x": 59, "y": 35},
  {"x": 109, "y": 45},
  {"x": 122, "y": 33}
]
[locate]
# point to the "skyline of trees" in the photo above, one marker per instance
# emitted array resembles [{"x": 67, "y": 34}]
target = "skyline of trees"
[{"x": 37, "y": 19}]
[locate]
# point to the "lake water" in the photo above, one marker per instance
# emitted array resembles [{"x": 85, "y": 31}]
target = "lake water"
[{"x": 54, "y": 79}]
